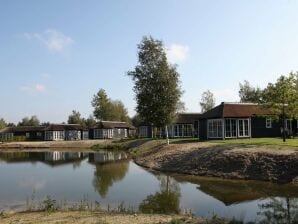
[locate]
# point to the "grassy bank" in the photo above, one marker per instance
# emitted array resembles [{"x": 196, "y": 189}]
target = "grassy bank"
[{"x": 275, "y": 142}]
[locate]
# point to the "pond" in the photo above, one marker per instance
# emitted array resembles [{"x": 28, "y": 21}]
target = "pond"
[{"x": 110, "y": 178}]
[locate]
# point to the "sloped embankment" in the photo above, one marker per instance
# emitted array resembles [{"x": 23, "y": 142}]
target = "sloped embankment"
[{"x": 226, "y": 161}]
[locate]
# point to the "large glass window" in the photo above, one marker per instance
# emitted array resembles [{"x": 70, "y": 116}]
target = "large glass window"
[
  {"x": 183, "y": 130},
  {"x": 231, "y": 128},
  {"x": 243, "y": 128},
  {"x": 215, "y": 128}
]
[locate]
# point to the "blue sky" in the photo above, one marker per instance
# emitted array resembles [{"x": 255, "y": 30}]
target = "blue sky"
[{"x": 54, "y": 55}]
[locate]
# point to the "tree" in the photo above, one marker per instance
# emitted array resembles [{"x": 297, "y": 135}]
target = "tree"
[
  {"x": 118, "y": 111},
  {"x": 75, "y": 118},
  {"x": 107, "y": 109},
  {"x": 282, "y": 98},
  {"x": 29, "y": 121},
  {"x": 249, "y": 94},
  {"x": 181, "y": 107},
  {"x": 90, "y": 121},
  {"x": 156, "y": 84},
  {"x": 2, "y": 123},
  {"x": 207, "y": 101}
]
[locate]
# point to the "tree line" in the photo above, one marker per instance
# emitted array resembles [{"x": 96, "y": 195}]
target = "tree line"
[
  {"x": 104, "y": 109},
  {"x": 158, "y": 92}
]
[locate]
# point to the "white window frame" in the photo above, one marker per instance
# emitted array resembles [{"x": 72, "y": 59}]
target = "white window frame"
[
  {"x": 268, "y": 122},
  {"x": 243, "y": 130},
  {"x": 231, "y": 130},
  {"x": 222, "y": 129}
]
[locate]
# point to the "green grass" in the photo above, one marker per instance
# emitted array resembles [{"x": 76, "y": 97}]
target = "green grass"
[
  {"x": 137, "y": 147},
  {"x": 260, "y": 142}
]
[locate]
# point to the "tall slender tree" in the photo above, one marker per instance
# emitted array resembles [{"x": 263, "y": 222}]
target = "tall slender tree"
[
  {"x": 207, "y": 101},
  {"x": 156, "y": 84}
]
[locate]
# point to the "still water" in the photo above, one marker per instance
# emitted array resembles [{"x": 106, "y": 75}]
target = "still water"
[{"x": 110, "y": 179}]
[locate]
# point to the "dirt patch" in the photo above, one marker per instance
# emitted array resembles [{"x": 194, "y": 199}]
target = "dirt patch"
[
  {"x": 225, "y": 161},
  {"x": 85, "y": 217}
]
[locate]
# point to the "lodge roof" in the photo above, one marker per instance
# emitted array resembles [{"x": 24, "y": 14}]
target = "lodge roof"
[
  {"x": 22, "y": 129},
  {"x": 67, "y": 127},
  {"x": 236, "y": 110},
  {"x": 187, "y": 118},
  {"x": 113, "y": 124},
  {"x": 51, "y": 127}
]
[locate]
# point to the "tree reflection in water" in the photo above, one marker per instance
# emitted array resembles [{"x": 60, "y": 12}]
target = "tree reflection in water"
[
  {"x": 279, "y": 211},
  {"x": 107, "y": 174},
  {"x": 166, "y": 201}
]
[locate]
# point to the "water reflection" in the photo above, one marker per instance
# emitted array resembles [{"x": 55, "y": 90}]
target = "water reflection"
[
  {"x": 279, "y": 210},
  {"x": 109, "y": 178},
  {"x": 107, "y": 156},
  {"x": 166, "y": 201},
  {"x": 237, "y": 191},
  {"x": 59, "y": 158},
  {"x": 105, "y": 175}
]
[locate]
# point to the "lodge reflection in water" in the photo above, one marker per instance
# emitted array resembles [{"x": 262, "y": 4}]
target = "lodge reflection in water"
[
  {"x": 107, "y": 156},
  {"x": 150, "y": 192},
  {"x": 57, "y": 157}
]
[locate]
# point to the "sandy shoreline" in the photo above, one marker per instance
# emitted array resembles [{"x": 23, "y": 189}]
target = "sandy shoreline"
[{"x": 231, "y": 162}]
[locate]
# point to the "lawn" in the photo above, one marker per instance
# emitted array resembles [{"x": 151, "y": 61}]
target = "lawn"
[{"x": 260, "y": 141}]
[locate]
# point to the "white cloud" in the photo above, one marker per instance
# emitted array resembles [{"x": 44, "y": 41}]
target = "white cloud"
[
  {"x": 55, "y": 41},
  {"x": 37, "y": 88},
  {"x": 177, "y": 53}
]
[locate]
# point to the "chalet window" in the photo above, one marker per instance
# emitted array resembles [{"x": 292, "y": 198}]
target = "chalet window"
[
  {"x": 183, "y": 130},
  {"x": 188, "y": 130},
  {"x": 288, "y": 124},
  {"x": 231, "y": 128},
  {"x": 215, "y": 128},
  {"x": 243, "y": 128},
  {"x": 268, "y": 123},
  {"x": 143, "y": 132}
]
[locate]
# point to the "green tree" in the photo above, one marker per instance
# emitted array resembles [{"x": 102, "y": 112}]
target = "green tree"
[
  {"x": 248, "y": 93},
  {"x": 75, "y": 118},
  {"x": 2, "y": 123},
  {"x": 107, "y": 109},
  {"x": 29, "y": 121},
  {"x": 207, "y": 101},
  {"x": 105, "y": 175},
  {"x": 181, "y": 107},
  {"x": 90, "y": 121},
  {"x": 166, "y": 201},
  {"x": 282, "y": 98},
  {"x": 156, "y": 84}
]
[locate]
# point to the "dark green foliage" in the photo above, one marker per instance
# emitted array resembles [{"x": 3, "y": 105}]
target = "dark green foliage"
[
  {"x": 2, "y": 123},
  {"x": 207, "y": 101},
  {"x": 282, "y": 95},
  {"x": 156, "y": 84},
  {"x": 282, "y": 98},
  {"x": 27, "y": 121},
  {"x": 107, "y": 109},
  {"x": 248, "y": 93},
  {"x": 49, "y": 204},
  {"x": 75, "y": 118}
]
